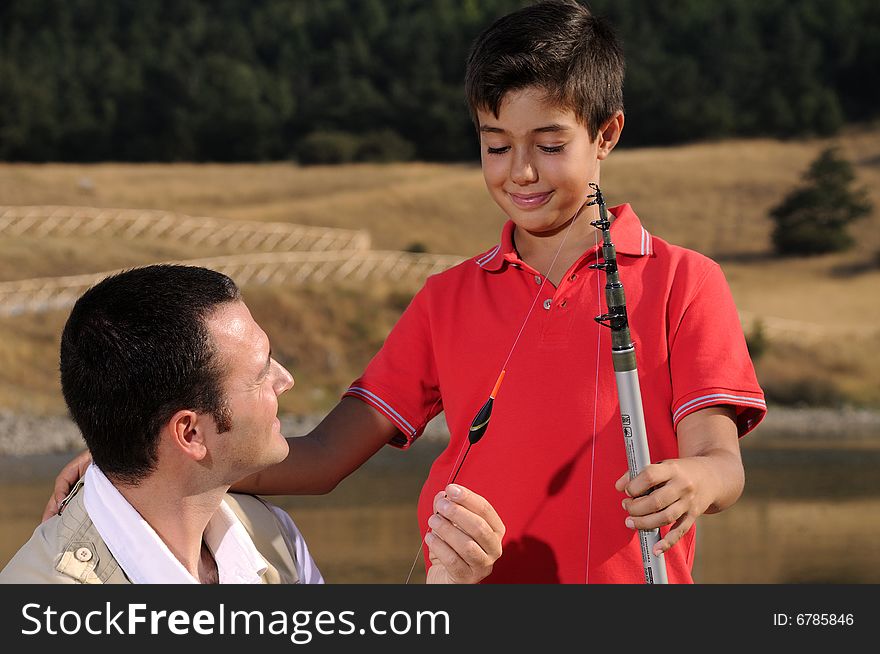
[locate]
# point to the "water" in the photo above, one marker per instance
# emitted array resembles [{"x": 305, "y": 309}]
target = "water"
[{"x": 808, "y": 514}]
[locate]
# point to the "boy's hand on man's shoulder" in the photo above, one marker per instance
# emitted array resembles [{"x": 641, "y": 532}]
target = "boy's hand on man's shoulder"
[{"x": 65, "y": 481}]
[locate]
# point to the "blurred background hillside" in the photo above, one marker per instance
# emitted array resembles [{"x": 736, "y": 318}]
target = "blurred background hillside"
[{"x": 349, "y": 114}]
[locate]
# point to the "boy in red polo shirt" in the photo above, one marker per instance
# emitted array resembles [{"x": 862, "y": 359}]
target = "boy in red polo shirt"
[{"x": 544, "y": 85}]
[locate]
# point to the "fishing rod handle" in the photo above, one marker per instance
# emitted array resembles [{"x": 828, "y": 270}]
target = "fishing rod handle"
[{"x": 635, "y": 437}]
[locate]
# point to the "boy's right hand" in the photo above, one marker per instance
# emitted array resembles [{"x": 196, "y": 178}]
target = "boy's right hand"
[
  {"x": 465, "y": 537},
  {"x": 64, "y": 482}
]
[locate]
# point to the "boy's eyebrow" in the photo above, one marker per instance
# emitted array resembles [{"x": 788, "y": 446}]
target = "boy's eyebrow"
[{"x": 555, "y": 127}]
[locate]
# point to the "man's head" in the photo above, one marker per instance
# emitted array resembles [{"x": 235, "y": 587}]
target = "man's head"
[
  {"x": 163, "y": 351},
  {"x": 545, "y": 87},
  {"x": 557, "y": 46}
]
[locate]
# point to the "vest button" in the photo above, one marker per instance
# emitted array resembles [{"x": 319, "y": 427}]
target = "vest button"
[
  {"x": 548, "y": 303},
  {"x": 83, "y": 554}
]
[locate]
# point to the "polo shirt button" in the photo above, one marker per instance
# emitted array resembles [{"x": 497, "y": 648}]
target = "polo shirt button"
[
  {"x": 83, "y": 554},
  {"x": 537, "y": 279},
  {"x": 547, "y": 303}
]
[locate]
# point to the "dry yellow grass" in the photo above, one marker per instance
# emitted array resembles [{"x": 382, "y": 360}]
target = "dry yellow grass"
[
  {"x": 443, "y": 206},
  {"x": 713, "y": 197}
]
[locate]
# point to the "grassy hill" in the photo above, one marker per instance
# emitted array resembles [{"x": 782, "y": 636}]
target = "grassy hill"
[{"x": 713, "y": 197}]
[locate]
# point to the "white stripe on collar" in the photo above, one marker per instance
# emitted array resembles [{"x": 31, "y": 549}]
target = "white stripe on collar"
[{"x": 486, "y": 258}]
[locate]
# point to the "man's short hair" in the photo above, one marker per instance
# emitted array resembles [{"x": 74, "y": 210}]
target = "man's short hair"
[
  {"x": 557, "y": 46},
  {"x": 134, "y": 351}
]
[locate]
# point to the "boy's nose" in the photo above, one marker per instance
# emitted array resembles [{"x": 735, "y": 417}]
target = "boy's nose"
[{"x": 523, "y": 172}]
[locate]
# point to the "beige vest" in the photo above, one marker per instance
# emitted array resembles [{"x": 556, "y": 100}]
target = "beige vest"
[{"x": 67, "y": 549}]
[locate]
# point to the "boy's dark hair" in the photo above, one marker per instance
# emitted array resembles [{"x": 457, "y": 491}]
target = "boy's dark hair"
[
  {"x": 557, "y": 46},
  {"x": 135, "y": 350}
]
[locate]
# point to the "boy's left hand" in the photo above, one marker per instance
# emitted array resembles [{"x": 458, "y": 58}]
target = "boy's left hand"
[
  {"x": 682, "y": 491},
  {"x": 706, "y": 479}
]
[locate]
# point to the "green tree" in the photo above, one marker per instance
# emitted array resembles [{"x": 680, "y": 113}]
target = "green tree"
[{"x": 813, "y": 218}]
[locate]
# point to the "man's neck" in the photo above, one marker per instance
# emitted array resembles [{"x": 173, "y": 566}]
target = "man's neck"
[{"x": 179, "y": 517}]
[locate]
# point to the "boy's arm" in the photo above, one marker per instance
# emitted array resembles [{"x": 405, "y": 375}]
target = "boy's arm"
[
  {"x": 707, "y": 477},
  {"x": 350, "y": 434}
]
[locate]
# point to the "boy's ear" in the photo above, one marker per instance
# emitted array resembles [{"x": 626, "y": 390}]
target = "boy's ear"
[
  {"x": 187, "y": 434},
  {"x": 609, "y": 134}
]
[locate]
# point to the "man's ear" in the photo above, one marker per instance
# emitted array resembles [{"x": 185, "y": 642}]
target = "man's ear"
[
  {"x": 609, "y": 134},
  {"x": 187, "y": 431}
]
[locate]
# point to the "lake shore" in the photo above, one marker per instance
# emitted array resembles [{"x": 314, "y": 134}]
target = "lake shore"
[
  {"x": 24, "y": 435},
  {"x": 801, "y": 496}
]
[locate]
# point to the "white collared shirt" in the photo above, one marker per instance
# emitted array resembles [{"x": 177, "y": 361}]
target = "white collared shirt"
[{"x": 146, "y": 559}]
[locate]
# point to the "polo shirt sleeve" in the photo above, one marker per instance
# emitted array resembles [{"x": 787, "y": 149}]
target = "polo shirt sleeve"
[
  {"x": 708, "y": 358},
  {"x": 401, "y": 381}
]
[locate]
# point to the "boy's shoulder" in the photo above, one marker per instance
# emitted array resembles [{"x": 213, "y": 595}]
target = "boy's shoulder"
[
  {"x": 634, "y": 242},
  {"x": 664, "y": 252},
  {"x": 678, "y": 271}
]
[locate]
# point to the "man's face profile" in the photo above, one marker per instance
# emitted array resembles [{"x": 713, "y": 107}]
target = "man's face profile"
[{"x": 252, "y": 381}]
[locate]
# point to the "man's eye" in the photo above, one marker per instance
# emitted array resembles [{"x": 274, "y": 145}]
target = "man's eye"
[
  {"x": 552, "y": 149},
  {"x": 500, "y": 150}
]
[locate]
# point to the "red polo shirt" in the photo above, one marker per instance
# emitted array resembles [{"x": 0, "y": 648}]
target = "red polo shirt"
[{"x": 554, "y": 447}]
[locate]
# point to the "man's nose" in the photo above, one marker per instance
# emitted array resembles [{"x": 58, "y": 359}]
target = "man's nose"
[{"x": 284, "y": 380}]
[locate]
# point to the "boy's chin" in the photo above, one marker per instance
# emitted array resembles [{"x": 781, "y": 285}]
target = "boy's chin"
[{"x": 547, "y": 225}]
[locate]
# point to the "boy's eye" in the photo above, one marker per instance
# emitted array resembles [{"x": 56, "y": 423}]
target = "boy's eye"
[
  {"x": 552, "y": 149},
  {"x": 500, "y": 150}
]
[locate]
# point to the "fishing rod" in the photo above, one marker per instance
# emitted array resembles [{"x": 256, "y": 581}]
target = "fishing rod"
[{"x": 623, "y": 354}]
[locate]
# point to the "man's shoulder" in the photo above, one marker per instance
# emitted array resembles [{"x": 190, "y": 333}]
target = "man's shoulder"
[
  {"x": 65, "y": 549},
  {"x": 35, "y": 561},
  {"x": 259, "y": 518},
  {"x": 274, "y": 540},
  {"x": 251, "y": 507}
]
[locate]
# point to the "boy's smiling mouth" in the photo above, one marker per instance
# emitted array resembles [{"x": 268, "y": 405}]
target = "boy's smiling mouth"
[{"x": 530, "y": 200}]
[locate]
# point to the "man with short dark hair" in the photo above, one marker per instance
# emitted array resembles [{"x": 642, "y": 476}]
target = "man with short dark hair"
[{"x": 175, "y": 390}]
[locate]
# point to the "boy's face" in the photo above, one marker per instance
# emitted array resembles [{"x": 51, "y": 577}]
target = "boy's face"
[{"x": 538, "y": 159}]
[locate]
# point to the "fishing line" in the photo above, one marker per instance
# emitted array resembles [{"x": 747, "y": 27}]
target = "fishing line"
[
  {"x": 595, "y": 415},
  {"x": 481, "y": 421}
]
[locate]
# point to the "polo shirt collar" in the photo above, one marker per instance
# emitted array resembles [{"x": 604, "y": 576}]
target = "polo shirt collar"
[{"x": 627, "y": 233}]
